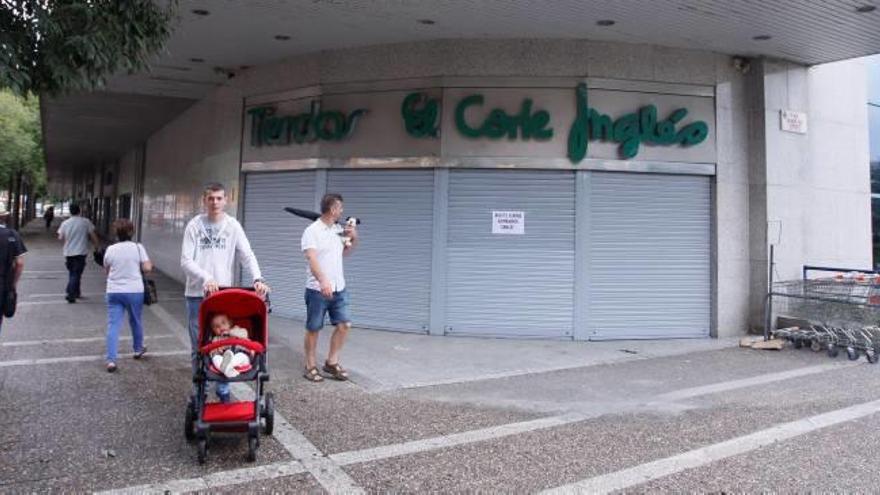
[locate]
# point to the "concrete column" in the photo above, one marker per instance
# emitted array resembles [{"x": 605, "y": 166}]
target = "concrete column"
[{"x": 808, "y": 192}]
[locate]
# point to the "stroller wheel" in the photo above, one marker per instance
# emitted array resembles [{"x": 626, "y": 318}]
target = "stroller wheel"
[
  {"x": 189, "y": 423},
  {"x": 852, "y": 354},
  {"x": 269, "y": 414},
  {"x": 833, "y": 351},
  {"x": 798, "y": 343},
  {"x": 815, "y": 346},
  {"x": 203, "y": 450},
  {"x": 871, "y": 356},
  {"x": 252, "y": 449}
]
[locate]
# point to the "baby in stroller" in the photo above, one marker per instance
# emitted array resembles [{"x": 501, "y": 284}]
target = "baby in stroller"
[
  {"x": 234, "y": 334},
  {"x": 229, "y": 360}
]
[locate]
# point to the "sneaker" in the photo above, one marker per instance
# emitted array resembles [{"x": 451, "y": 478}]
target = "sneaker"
[
  {"x": 70, "y": 300},
  {"x": 140, "y": 354},
  {"x": 111, "y": 367}
]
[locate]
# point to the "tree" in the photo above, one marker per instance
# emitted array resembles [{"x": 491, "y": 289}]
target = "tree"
[
  {"x": 21, "y": 152},
  {"x": 56, "y": 46}
]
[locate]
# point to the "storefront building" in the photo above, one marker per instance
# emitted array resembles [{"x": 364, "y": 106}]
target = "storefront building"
[{"x": 554, "y": 189}]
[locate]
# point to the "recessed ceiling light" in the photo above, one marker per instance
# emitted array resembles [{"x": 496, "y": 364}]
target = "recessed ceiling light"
[
  {"x": 606, "y": 22},
  {"x": 282, "y": 37},
  {"x": 864, "y": 9},
  {"x": 197, "y": 60},
  {"x": 762, "y": 37},
  {"x": 201, "y": 12},
  {"x": 427, "y": 22}
]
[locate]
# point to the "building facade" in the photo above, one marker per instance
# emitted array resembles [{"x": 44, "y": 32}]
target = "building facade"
[{"x": 560, "y": 189}]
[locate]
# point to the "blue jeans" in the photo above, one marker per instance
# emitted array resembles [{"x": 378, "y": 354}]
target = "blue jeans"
[
  {"x": 317, "y": 306},
  {"x": 192, "y": 326},
  {"x": 75, "y": 267},
  {"x": 117, "y": 305}
]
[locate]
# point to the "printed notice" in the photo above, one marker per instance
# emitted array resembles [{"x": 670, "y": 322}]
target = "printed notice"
[
  {"x": 791, "y": 121},
  {"x": 508, "y": 222}
]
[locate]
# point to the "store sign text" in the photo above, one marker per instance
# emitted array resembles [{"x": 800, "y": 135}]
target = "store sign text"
[
  {"x": 499, "y": 123},
  {"x": 629, "y": 130},
  {"x": 420, "y": 115},
  {"x": 307, "y": 127}
]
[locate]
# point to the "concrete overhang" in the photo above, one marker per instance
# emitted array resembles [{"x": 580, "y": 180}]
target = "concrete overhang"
[{"x": 215, "y": 39}]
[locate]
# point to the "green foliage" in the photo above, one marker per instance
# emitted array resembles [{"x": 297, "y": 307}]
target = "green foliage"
[
  {"x": 56, "y": 46},
  {"x": 20, "y": 135}
]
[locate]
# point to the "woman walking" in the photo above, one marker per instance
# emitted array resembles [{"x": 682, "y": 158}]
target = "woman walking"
[{"x": 125, "y": 262}]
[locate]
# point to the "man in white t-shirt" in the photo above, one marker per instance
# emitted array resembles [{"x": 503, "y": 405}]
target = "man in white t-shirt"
[
  {"x": 76, "y": 232},
  {"x": 325, "y": 286},
  {"x": 211, "y": 242}
]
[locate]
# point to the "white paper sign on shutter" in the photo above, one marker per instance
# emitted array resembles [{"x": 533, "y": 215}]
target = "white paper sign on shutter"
[{"x": 508, "y": 222}]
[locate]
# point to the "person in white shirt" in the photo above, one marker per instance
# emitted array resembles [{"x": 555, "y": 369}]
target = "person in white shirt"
[
  {"x": 124, "y": 263},
  {"x": 325, "y": 292},
  {"x": 76, "y": 232},
  {"x": 211, "y": 242}
]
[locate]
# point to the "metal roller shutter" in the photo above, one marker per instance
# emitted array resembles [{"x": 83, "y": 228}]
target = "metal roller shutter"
[
  {"x": 649, "y": 256},
  {"x": 275, "y": 234},
  {"x": 511, "y": 285},
  {"x": 389, "y": 274}
]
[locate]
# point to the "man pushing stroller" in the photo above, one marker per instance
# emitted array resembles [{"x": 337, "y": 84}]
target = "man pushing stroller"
[{"x": 211, "y": 242}]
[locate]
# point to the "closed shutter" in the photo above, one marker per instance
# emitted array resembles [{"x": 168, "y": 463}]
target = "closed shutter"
[
  {"x": 275, "y": 234},
  {"x": 510, "y": 284},
  {"x": 649, "y": 256},
  {"x": 389, "y": 273}
]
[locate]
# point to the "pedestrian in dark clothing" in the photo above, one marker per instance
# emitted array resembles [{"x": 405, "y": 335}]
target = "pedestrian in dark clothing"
[
  {"x": 48, "y": 216},
  {"x": 12, "y": 252}
]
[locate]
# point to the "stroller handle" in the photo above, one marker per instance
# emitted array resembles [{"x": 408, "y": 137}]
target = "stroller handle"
[{"x": 250, "y": 289}]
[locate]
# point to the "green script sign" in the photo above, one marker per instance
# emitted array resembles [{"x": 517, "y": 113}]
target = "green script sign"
[
  {"x": 420, "y": 115},
  {"x": 308, "y": 127},
  {"x": 629, "y": 130},
  {"x": 499, "y": 124}
]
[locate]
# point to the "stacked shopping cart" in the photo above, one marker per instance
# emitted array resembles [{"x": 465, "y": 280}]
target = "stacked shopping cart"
[{"x": 840, "y": 311}]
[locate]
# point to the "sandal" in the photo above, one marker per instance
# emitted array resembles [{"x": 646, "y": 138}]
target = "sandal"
[
  {"x": 312, "y": 375},
  {"x": 336, "y": 371}
]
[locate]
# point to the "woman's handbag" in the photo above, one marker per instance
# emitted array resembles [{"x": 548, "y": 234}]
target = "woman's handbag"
[
  {"x": 150, "y": 294},
  {"x": 98, "y": 255}
]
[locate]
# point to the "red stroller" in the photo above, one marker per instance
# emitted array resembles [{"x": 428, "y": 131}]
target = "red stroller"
[{"x": 247, "y": 310}]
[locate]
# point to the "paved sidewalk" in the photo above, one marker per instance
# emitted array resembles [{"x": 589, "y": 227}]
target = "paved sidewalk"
[{"x": 424, "y": 414}]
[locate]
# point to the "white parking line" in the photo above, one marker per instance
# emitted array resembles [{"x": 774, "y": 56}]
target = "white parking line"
[
  {"x": 23, "y": 343},
  {"x": 62, "y": 295},
  {"x": 637, "y": 475},
  {"x": 326, "y": 472},
  {"x": 76, "y": 359},
  {"x": 501, "y": 431},
  {"x": 466, "y": 437},
  {"x": 716, "y": 388},
  {"x": 216, "y": 480}
]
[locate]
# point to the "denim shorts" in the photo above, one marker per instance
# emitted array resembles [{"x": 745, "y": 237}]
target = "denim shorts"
[{"x": 317, "y": 306}]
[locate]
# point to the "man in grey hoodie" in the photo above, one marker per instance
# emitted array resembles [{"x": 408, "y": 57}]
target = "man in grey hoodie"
[{"x": 211, "y": 242}]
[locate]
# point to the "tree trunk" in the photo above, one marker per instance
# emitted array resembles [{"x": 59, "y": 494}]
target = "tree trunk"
[{"x": 16, "y": 203}]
